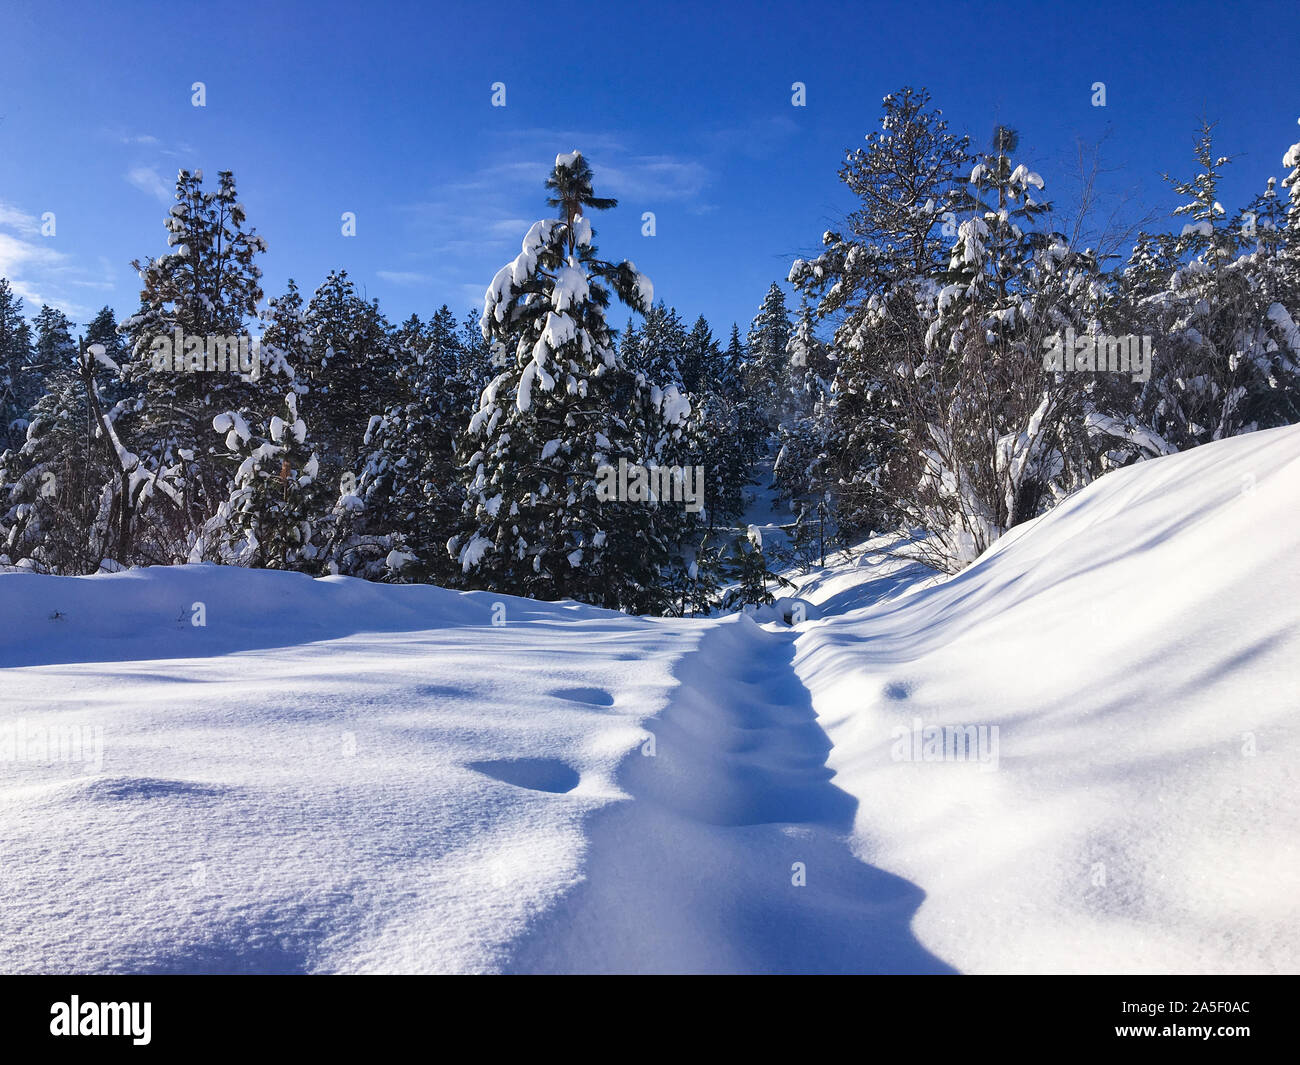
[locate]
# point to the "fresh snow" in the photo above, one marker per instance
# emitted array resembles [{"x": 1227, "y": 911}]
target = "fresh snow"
[{"x": 335, "y": 776}]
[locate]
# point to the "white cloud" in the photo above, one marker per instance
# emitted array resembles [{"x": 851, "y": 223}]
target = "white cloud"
[
  {"x": 148, "y": 180},
  {"x": 652, "y": 177},
  {"x": 37, "y": 272},
  {"x": 404, "y": 277},
  {"x": 26, "y": 224},
  {"x": 16, "y": 253}
]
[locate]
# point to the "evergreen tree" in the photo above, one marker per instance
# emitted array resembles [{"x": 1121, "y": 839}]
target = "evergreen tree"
[
  {"x": 764, "y": 372},
  {"x": 538, "y": 521},
  {"x": 754, "y": 579},
  {"x": 1216, "y": 296},
  {"x": 266, "y": 521},
  {"x": 701, "y": 362},
  {"x": 15, "y": 355},
  {"x": 874, "y": 279},
  {"x": 661, "y": 346},
  {"x": 208, "y": 286},
  {"x": 396, "y": 519},
  {"x": 802, "y": 471},
  {"x": 349, "y": 371}
]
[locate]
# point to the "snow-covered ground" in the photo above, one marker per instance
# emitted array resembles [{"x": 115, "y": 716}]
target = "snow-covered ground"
[
  {"x": 1138, "y": 652},
  {"x": 335, "y": 776}
]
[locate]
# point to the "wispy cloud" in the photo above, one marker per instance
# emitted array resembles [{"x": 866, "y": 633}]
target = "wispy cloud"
[
  {"x": 27, "y": 225},
  {"x": 148, "y": 180},
  {"x": 17, "y": 254},
  {"x": 39, "y": 273},
  {"x": 653, "y": 177},
  {"x": 404, "y": 277}
]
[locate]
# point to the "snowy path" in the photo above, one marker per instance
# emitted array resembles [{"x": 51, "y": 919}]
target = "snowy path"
[{"x": 697, "y": 872}]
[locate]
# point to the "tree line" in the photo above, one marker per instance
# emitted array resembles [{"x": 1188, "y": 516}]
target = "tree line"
[{"x": 908, "y": 392}]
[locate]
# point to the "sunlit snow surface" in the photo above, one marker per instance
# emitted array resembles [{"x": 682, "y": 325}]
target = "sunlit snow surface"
[{"x": 338, "y": 776}]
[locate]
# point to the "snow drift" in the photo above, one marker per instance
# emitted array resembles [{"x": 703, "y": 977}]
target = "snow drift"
[{"x": 1135, "y": 651}]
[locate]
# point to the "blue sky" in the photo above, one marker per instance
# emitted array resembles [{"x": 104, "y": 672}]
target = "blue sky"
[{"x": 384, "y": 109}]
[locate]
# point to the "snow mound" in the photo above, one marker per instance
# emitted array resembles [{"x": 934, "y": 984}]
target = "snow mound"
[
  {"x": 327, "y": 776},
  {"x": 1121, "y": 677}
]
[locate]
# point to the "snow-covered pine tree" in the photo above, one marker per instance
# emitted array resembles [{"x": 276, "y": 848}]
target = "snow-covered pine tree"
[
  {"x": 733, "y": 359},
  {"x": 15, "y": 355},
  {"x": 267, "y": 520},
  {"x": 988, "y": 431},
  {"x": 103, "y": 330},
  {"x": 749, "y": 569},
  {"x": 764, "y": 373},
  {"x": 1227, "y": 347},
  {"x": 53, "y": 355},
  {"x": 810, "y": 366},
  {"x": 208, "y": 286},
  {"x": 1290, "y": 245},
  {"x": 701, "y": 362},
  {"x": 396, "y": 519},
  {"x": 549, "y": 422},
  {"x": 661, "y": 346},
  {"x": 873, "y": 279},
  {"x": 42, "y": 518},
  {"x": 348, "y": 371},
  {"x": 802, "y": 472}
]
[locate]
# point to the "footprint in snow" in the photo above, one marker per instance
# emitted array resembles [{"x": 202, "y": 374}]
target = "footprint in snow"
[{"x": 536, "y": 774}]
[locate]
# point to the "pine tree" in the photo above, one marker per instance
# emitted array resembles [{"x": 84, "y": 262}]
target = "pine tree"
[
  {"x": 349, "y": 371},
  {"x": 753, "y": 577},
  {"x": 874, "y": 279},
  {"x": 396, "y": 519},
  {"x": 266, "y": 521},
  {"x": 701, "y": 362},
  {"x": 1226, "y": 358},
  {"x": 734, "y": 357},
  {"x": 661, "y": 346},
  {"x": 207, "y": 288},
  {"x": 45, "y": 519},
  {"x": 15, "y": 355},
  {"x": 802, "y": 471},
  {"x": 764, "y": 372},
  {"x": 546, "y": 425}
]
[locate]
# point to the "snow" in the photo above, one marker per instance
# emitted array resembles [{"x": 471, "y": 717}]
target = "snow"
[
  {"x": 472, "y": 553},
  {"x": 644, "y": 287},
  {"x": 404, "y": 788},
  {"x": 336, "y": 776},
  {"x": 1133, "y": 647},
  {"x": 571, "y": 287}
]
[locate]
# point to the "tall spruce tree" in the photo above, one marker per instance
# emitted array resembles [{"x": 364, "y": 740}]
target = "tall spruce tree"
[
  {"x": 764, "y": 371},
  {"x": 15, "y": 355},
  {"x": 208, "y": 286},
  {"x": 538, "y": 521}
]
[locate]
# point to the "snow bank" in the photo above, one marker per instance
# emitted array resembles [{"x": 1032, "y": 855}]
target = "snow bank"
[
  {"x": 328, "y": 776},
  {"x": 1136, "y": 652}
]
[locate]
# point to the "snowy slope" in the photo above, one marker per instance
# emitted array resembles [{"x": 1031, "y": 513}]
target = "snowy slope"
[
  {"x": 405, "y": 798},
  {"x": 1137, "y": 650}
]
